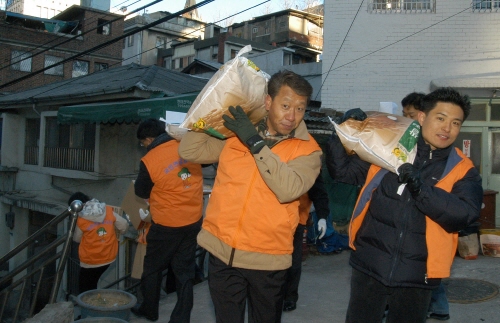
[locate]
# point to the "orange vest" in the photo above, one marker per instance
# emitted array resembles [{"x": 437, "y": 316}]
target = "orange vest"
[
  {"x": 304, "y": 208},
  {"x": 441, "y": 245},
  {"x": 242, "y": 211},
  {"x": 99, "y": 244},
  {"x": 176, "y": 199}
]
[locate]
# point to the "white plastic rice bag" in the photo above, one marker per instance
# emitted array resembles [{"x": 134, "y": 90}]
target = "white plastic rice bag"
[
  {"x": 238, "y": 82},
  {"x": 386, "y": 140}
]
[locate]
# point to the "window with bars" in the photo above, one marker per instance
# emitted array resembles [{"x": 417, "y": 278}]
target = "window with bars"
[
  {"x": 69, "y": 146},
  {"x": 402, "y": 6},
  {"x": 56, "y": 70},
  {"x": 20, "y": 61},
  {"x": 486, "y": 5},
  {"x": 80, "y": 68}
]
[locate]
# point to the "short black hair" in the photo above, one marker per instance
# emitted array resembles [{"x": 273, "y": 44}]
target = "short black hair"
[
  {"x": 78, "y": 196},
  {"x": 150, "y": 128},
  {"x": 295, "y": 81},
  {"x": 446, "y": 94},
  {"x": 414, "y": 99}
]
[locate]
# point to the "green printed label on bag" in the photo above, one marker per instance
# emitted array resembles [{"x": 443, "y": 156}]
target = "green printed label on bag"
[
  {"x": 215, "y": 133},
  {"x": 252, "y": 65},
  {"x": 410, "y": 137}
]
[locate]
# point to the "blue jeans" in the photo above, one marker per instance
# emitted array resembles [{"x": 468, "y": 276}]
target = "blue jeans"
[{"x": 439, "y": 301}]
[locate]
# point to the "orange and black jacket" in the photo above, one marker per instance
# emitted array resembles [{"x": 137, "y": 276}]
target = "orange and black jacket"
[{"x": 403, "y": 241}]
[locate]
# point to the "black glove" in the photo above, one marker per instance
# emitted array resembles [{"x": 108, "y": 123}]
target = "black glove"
[
  {"x": 356, "y": 114},
  {"x": 410, "y": 175},
  {"x": 244, "y": 129}
]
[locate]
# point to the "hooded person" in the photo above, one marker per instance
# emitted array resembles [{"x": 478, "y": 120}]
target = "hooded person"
[{"x": 95, "y": 230}]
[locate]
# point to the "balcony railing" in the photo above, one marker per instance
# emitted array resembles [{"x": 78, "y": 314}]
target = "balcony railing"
[
  {"x": 69, "y": 158},
  {"x": 31, "y": 155}
]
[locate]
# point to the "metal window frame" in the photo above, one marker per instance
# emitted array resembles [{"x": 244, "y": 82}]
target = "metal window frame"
[
  {"x": 400, "y": 6},
  {"x": 56, "y": 70},
  {"x": 20, "y": 59},
  {"x": 485, "y": 6}
]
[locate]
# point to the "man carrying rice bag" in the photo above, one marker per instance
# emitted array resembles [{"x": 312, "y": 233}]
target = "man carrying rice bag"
[
  {"x": 253, "y": 210},
  {"x": 403, "y": 228}
]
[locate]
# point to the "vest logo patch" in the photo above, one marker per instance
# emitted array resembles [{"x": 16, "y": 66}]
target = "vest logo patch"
[
  {"x": 101, "y": 232},
  {"x": 185, "y": 176}
]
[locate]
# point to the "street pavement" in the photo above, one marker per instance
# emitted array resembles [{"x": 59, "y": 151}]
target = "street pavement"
[{"x": 324, "y": 293}]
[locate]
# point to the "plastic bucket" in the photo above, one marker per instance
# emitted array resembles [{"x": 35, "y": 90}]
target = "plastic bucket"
[
  {"x": 490, "y": 242},
  {"x": 101, "y": 303}
]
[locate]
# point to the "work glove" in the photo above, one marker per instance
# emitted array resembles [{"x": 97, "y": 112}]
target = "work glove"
[
  {"x": 356, "y": 114},
  {"x": 321, "y": 228},
  {"x": 143, "y": 214},
  {"x": 410, "y": 175},
  {"x": 244, "y": 129}
]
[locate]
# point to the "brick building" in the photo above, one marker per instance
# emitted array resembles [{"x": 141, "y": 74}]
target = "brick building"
[{"x": 23, "y": 37}]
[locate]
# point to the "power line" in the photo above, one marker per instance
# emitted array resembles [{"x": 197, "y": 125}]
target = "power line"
[
  {"x": 114, "y": 40},
  {"x": 77, "y": 36},
  {"x": 48, "y": 90},
  {"x": 342, "y": 44},
  {"x": 61, "y": 36},
  {"x": 398, "y": 41},
  {"x": 184, "y": 35}
]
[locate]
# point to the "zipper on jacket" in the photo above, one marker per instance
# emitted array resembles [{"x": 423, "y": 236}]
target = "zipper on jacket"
[
  {"x": 230, "y": 264},
  {"x": 399, "y": 249}
]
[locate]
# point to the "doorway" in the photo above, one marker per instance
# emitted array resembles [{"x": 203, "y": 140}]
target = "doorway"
[{"x": 482, "y": 146}]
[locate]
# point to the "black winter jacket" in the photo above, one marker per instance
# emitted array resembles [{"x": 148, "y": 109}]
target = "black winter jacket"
[{"x": 391, "y": 242}]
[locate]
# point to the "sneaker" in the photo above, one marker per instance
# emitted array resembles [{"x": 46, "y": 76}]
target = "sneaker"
[{"x": 440, "y": 317}]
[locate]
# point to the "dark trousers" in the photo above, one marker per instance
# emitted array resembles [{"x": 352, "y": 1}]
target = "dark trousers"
[
  {"x": 232, "y": 287},
  {"x": 177, "y": 247},
  {"x": 369, "y": 299},
  {"x": 89, "y": 277},
  {"x": 294, "y": 272}
]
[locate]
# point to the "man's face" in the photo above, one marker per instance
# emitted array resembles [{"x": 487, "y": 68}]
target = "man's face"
[
  {"x": 286, "y": 111},
  {"x": 409, "y": 111},
  {"x": 441, "y": 126}
]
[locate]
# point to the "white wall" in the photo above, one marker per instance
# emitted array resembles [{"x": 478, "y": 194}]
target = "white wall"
[{"x": 386, "y": 56}]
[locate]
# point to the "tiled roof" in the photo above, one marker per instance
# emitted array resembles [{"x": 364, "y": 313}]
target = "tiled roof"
[{"x": 122, "y": 79}]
